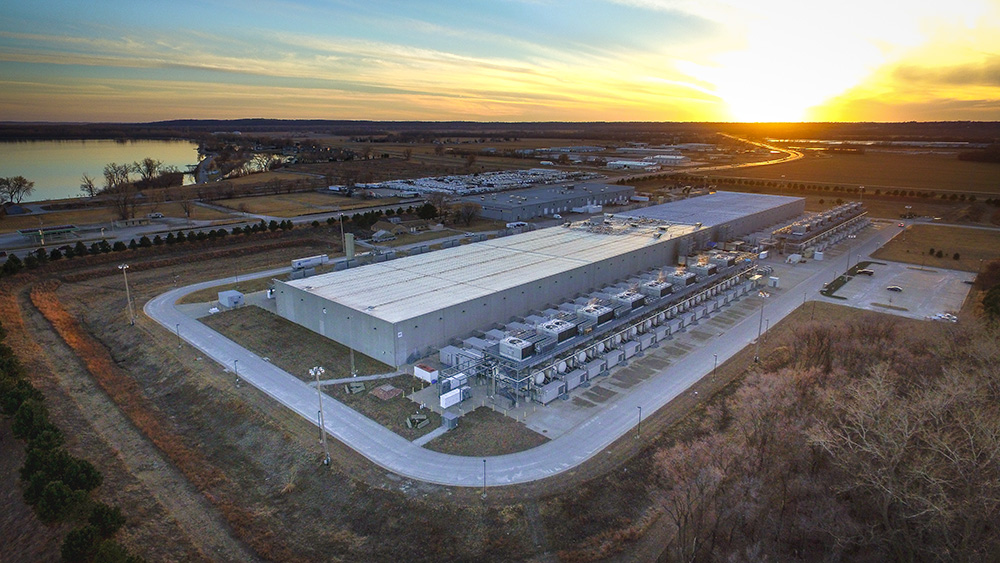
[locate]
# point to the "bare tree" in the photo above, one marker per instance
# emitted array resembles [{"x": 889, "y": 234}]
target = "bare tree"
[
  {"x": 119, "y": 186},
  {"x": 187, "y": 206},
  {"x": 16, "y": 188},
  {"x": 467, "y": 211},
  {"x": 87, "y": 186},
  {"x": 470, "y": 160},
  {"x": 147, "y": 169},
  {"x": 407, "y": 153}
]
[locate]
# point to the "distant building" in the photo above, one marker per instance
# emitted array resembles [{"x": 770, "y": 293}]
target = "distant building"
[
  {"x": 632, "y": 165},
  {"x": 519, "y": 205}
]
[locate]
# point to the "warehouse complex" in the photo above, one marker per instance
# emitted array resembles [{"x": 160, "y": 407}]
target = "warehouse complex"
[
  {"x": 586, "y": 197},
  {"x": 401, "y": 310}
]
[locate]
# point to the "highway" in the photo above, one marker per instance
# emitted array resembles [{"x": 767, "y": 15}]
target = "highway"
[{"x": 394, "y": 453}]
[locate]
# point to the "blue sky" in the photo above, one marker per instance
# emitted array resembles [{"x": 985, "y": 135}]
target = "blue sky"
[{"x": 500, "y": 60}]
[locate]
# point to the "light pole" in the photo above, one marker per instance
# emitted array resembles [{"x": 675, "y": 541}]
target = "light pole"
[
  {"x": 760, "y": 325},
  {"x": 316, "y": 372},
  {"x": 128, "y": 294},
  {"x": 638, "y": 427},
  {"x": 178, "y": 330},
  {"x": 236, "y": 370},
  {"x": 484, "y": 478},
  {"x": 767, "y": 325},
  {"x": 715, "y": 365}
]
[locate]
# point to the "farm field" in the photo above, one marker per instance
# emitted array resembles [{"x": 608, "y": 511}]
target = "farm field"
[
  {"x": 972, "y": 245},
  {"x": 941, "y": 172}
]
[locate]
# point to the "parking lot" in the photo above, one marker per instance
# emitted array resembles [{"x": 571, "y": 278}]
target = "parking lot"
[{"x": 926, "y": 292}]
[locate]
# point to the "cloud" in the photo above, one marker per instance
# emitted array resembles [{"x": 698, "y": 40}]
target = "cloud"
[{"x": 982, "y": 73}]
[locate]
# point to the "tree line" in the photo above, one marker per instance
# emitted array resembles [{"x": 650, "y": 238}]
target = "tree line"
[
  {"x": 56, "y": 484},
  {"x": 860, "y": 441}
]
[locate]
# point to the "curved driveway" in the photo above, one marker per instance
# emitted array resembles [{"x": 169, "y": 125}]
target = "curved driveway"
[{"x": 396, "y": 454}]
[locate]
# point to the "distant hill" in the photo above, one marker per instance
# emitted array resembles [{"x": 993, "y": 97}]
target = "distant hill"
[{"x": 972, "y": 131}]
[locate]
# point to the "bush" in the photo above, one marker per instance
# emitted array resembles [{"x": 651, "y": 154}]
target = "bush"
[
  {"x": 181, "y": 237},
  {"x": 932, "y": 251},
  {"x": 13, "y": 265},
  {"x": 56, "y": 254},
  {"x": 110, "y": 551},
  {"x": 14, "y": 391},
  {"x": 272, "y": 226},
  {"x": 956, "y": 256},
  {"x": 157, "y": 241},
  {"x": 79, "y": 545},
  {"x": 119, "y": 246},
  {"x": 171, "y": 239},
  {"x": 939, "y": 254},
  {"x": 315, "y": 224},
  {"x": 106, "y": 519},
  {"x": 132, "y": 245},
  {"x": 144, "y": 242},
  {"x": 30, "y": 419},
  {"x": 55, "y": 500},
  {"x": 30, "y": 262}
]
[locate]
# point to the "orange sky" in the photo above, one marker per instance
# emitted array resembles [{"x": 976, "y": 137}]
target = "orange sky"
[{"x": 514, "y": 60}]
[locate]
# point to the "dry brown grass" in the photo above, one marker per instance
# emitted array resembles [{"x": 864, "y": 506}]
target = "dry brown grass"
[
  {"x": 212, "y": 293},
  {"x": 877, "y": 169},
  {"x": 913, "y": 246},
  {"x": 289, "y": 346},
  {"x": 297, "y": 204},
  {"x": 125, "y": 392},
  {"x": 484, "y": 432}
]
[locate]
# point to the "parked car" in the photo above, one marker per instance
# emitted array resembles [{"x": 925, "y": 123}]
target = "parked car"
[
  {"x": 155, "y": 215},
  {"x": 894, "y": 288},
  {"x": 556, "y": 216},
  {"x": 902, "y": 224}
]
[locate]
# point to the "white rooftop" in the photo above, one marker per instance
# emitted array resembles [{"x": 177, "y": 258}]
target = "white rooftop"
[
  {"x": 712, "y": 209},
  {"x": 401, "y": 289}
]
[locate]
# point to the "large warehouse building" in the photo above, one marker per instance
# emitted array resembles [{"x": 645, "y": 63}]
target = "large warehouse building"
[
  {"x": 540, "y": 201},
  {"x": 401, "y": 310}
]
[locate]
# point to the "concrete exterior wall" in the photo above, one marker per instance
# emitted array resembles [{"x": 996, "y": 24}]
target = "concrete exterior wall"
[
  {"x": 529, "y": 210},
  {"x": 406, "y": 341}
]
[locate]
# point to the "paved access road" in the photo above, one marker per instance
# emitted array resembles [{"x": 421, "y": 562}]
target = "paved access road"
[{"x": 394, "y": 453}]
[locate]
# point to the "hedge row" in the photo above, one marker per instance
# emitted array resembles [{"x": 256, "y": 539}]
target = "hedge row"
[{"x": 56, "y": 484}]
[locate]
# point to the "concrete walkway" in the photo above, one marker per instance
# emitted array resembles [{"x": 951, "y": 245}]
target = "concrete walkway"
[{"x": 583, "y": 441}]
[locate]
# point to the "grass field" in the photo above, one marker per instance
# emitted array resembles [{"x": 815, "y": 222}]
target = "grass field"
[
  {"x": 391, "y": 413},
  {"x": 877, "y": 169},
  {"x": 289, "y": 346},
  {"x": 484, "y": 432},
  {"x": 297, "y": 204},
  {"x": 914, "y": 244},
  {"x": 212, "y": 293},
  {"x": 102, "y": 215}
]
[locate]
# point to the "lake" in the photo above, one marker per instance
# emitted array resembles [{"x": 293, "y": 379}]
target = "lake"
[{"x": 57, "y": 166}]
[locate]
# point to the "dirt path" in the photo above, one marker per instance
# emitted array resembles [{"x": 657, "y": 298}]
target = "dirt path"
[{"x": 205, "y": 529}]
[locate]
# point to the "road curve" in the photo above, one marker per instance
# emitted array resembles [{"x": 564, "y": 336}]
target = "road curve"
[{"x": 394, "y": 453}]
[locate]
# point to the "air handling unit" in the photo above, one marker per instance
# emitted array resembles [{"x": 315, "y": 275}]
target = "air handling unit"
[
  {"x": 516, "y": 348},
  {"x": 656, "y": 289},
  {"x": 630, "y": 299},
  {"x": 597, "y": 313},
  {"x": 559, "y": 329}
]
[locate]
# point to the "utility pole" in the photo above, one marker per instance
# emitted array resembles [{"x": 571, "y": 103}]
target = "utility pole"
[
  {"x": 316, "y": 372},
  {"x": 638, "y": 427},
  {"x": 760, "y": 326},
  {"x": 767, "y": 325},
  {"x": 715, "y": 366},
  {"x": 128, "y": 294},
  {"x": 177, "y": 328},
  {"x": 484, "y": 478},
  {"x": 236, "y": 370}
]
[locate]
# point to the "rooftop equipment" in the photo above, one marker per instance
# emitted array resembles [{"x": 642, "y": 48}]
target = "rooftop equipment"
[
  {"x": 656, "y": 288},
  {"x": 558, "y": 329},
  {"x": 596, "y": 313},
  {"x": 631, "y": 298},
  {"x": 515, "y": 348}
]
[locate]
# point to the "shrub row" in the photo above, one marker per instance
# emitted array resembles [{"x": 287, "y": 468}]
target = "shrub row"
[{"x": 55, "y": 483}]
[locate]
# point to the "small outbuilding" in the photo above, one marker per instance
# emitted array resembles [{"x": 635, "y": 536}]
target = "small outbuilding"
[{"x": 231, "y": 299}]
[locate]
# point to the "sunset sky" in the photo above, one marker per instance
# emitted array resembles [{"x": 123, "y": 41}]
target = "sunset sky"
[{"x": 495, "y": 60}]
